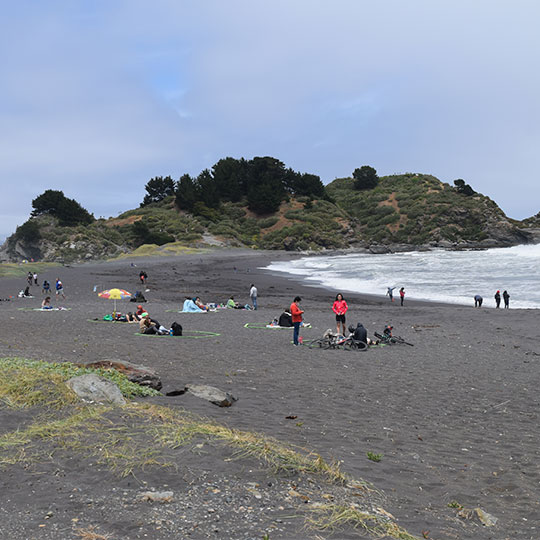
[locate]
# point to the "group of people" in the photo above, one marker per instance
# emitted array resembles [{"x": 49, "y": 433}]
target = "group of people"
[
  {"x": 390, "y": 294},
  {"x": 32, "y": 279},
  {"x": 478, "y": 300}
]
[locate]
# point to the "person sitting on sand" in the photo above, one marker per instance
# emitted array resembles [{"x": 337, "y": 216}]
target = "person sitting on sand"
[
  {"x": 146, "y": 325},
  {"x": 360, "y": 334},
  {"x": 190, "y": 306},
  {"x": 27, "y": 292},
  {"x": 200, "y": 305},
  {"x": 232, "y": 304},
  {"x": 285, "y": 319},
  {"x": 46, "y": 304}
]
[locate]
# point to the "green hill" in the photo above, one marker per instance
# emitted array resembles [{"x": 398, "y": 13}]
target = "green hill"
[
  {"x": 262, "y": 205},
  {"x": 419, "y": 209}
]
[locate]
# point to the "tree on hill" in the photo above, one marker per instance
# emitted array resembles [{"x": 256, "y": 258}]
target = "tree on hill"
[
  {"x": 365, "y": 178},
  {"x": 263, "y": 181},
  {"x": 464, "y": 188},
  {"x": 55, "y": 203},
  {"x": 157, "y": 189}
]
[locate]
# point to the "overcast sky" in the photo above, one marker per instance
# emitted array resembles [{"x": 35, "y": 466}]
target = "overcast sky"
[{"x": 98, "y": 97}]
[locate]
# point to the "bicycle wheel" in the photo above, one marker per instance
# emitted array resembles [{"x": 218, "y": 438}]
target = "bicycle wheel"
[
  {"x": 350, "y": 345},
  {"x": 315, "y": 344}
]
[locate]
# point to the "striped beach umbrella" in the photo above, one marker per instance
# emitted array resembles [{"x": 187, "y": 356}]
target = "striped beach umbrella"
[{"x": 115, "y": 294}]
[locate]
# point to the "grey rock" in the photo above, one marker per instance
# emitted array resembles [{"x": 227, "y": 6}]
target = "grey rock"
[
  {"x": 157, "y": 496},
  {"x": 212, "y": 394},
  {"x": 135, "y": 373},
  {"x": 91, "y": 387}
]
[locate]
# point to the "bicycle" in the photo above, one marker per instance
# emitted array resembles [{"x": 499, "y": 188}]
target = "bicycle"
[{"x": 387, "y": 339}]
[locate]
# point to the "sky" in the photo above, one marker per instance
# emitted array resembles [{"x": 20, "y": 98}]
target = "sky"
[{"x": 96, "y": 98}]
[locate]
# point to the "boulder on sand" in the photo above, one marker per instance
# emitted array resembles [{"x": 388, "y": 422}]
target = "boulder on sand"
[
  {"x": 212, "y": 394},
  {"x": 92, "y": 387},
  {"x": 135, "y": 373}
]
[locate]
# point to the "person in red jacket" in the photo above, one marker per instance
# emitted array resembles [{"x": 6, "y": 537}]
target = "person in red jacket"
[
  {"x": 296, "y": 314},
  {"x": 340, "y": 307}
]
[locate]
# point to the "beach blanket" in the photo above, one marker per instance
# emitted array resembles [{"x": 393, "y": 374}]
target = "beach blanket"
[
  {"x": 44, "y": 309},
  {"x": 188, "y": 334},
  {"x": 264, "y": 326}
]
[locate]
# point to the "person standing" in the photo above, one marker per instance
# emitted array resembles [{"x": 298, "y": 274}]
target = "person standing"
[
  {"x": 46, "y": 287},
  {"x": 296, "y": 314},
  {"x": 35, "y": 276},
  {"x": 253, "y": 295},
  {"x": 506, "y": 298},
  {"x": 143, "y": 277},
  {"x": 498, "y": 299},
  {"x": 478, "y": 301},
  {"x": 340, "y": 307},
  {"x": 60, "y": 288},
  {"x": 390, "y": 293},
  {"x": 402, "y": 294}
]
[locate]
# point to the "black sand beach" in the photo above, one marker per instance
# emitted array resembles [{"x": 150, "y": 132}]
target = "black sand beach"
[{"x": 455, "y": 416}]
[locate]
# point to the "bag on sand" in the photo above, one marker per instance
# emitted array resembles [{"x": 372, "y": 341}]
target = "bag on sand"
[{"x": 176, "y": 329}]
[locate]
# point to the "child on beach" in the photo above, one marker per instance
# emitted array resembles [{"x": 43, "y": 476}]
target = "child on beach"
[
  {"x": 296, "y": 314},
  {"x": 390, "y": 293},
  {"x": 340, "y": 307},
  {"x": 60, "y": 288}
]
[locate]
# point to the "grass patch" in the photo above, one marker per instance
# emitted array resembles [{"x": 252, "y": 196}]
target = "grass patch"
[
  {"x": 11, "y": 270},
  {"x": 374, "y": 457},
  {"x": 138, "y": 436},
  {"x": 26, "y": 383},
  {"x": 153, "y": 250},
  {"x": 335, "y": 516}
]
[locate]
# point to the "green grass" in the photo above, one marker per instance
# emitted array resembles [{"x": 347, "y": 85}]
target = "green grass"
[
  {"x": 21, "y": 269},
  {"x": 26, "y": 383}
]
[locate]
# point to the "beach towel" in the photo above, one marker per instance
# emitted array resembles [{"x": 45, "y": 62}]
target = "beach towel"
[{"x": 191, "y": 307}]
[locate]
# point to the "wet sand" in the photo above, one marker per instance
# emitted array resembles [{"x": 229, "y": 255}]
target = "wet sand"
[{"x": 455, "y": 416}]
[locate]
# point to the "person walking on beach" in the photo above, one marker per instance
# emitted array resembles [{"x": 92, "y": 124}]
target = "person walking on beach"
[
  {"x": 296, "y": 314},
  {"x": 340, "y": 307},
  {"x": 29, "y": 278},
  {"x": 390, "y": 293},
  {"x": 253, "y": 295},
  {"x": 60, "y": 288},
  {"x": 402, "y": 294},
  {"x": 478, "y": 301},
  {"x": 143, "y": 276},
  {"x": 506, "y": 298},
  {"x": 498, "y": 299},
  {"x": 35, "y": 278}
]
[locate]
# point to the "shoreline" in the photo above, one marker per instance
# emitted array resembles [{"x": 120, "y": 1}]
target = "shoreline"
[{"x": 445, "y": 414}]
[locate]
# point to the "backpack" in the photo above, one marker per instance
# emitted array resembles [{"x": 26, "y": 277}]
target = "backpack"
[{"x": 176, "y": 329}]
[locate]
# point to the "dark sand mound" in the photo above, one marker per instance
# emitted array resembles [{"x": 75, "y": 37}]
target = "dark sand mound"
[{"x": 455, "y": 416}]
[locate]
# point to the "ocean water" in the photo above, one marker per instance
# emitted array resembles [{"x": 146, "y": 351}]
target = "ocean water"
[{"x": 439, "y": 275}]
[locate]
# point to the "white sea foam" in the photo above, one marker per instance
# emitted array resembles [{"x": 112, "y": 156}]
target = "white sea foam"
[{"x": 439, "y": 275}]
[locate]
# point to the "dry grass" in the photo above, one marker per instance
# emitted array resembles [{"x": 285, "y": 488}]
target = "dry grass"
[
  {"x": 19, "y": 269},
  {"x": 91, "y": 534},
  {"x": 334, "y": 516},
  {"x": 141, "y": 435}
]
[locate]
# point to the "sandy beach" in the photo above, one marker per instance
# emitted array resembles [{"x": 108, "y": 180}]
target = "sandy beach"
[{"x": 455, "y": 417}]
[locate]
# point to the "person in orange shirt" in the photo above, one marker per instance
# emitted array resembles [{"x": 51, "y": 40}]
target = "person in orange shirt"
[
  {"x": 296, "y": 314},
  {"x": 340, "y": 307}
]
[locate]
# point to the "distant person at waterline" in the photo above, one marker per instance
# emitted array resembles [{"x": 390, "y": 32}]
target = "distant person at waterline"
[
  {"x": 402, "y": 294},
  {"x": 390, "y": 293},
  {"x": 498, "y": 299},
  {"x": 478, "y": 301},
  {"x": 506, "y": 298}
]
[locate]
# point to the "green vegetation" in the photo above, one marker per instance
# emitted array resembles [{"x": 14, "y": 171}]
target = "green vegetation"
[
  {"x": 261, "y": 203},
  {"x": 142, "y": 436},
  {"x": 417, "y": 209},
  {"x": 55, "y": 203},
  {"x": 33, "y": 382},
  {"x": 374, "y": 457}
]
